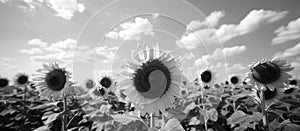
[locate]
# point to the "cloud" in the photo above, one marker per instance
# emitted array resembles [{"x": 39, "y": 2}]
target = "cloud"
[
  {"x": 66, "y": 51},
  {"x": 132, "y": 30},
  {"x": 290, "y": 52},
  {"x": 66, "y": 8},
  {"x": 253, "y": 21},
  {"x": 37, "y": 42},
  {"x": 287, "y": 33},
  {"x": 211, "y": 20},
  {"x": 31, "y": 51},
  {"x": 61, "y": 46},
  {"x": 193, "y": 40},
  {"x": 4, "y": 1},
  {"x": 218, "y": 54},
  {"x": 63, "y": 8},
  {"x": 250, "y": 23},
  {"x": 112, "y": 35}
]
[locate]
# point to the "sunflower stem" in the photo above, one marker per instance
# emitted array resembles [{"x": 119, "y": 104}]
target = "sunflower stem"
[
  {"x": 24, "y": 100},
  {"x": 263, "y": 111},
  {"x": 152, "y": 121},
  {"x": 203, "y": 105},
  {"x": 65, "y": 121}
]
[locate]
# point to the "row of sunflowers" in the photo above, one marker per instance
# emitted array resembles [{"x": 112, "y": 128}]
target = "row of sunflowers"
[{"x": 153, "y": 96}]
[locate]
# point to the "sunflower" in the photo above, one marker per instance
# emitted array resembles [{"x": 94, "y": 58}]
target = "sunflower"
[
  {"x": 153, "y": 79},
  {"x": 21, "y": 79},
  {"x": 235, "y": 80},
  {"x": 53, "y": 82},
  {"x": 89, "y": 84},
  {"x": 207, "y": 77},
  {"x": 107, "y": 83},
  {"x": 4, "y": 82},
  {"x": 272, "y": 73}
]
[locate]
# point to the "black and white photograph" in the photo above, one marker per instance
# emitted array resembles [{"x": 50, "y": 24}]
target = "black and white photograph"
[{"x": 149, "y": 65}]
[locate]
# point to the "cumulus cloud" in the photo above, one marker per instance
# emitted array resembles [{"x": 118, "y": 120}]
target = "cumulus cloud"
[
  {"x": 112, "y": 35},
  {"x": 290, "y": 52},
  {"x": 61, "y": 46},
  {"x": 253, "y": 21},
  {"x": 287, "y": 33},
  {"x": 31, "y": 51},
  {"x": 65, "y": 51},
  {"x": 37, "y": 42},
  {"x": 218, "y": 54},
  {"x": 132, "y": 30},
  {"x": 66, "y": 8},
  {"x": 211, "y": 20},
  {"x": 250, "y": 23},
  {"x": 63, "y": 8}
]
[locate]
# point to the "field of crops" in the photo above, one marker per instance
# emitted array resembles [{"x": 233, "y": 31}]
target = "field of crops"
[{"x": 52, "y": 102}]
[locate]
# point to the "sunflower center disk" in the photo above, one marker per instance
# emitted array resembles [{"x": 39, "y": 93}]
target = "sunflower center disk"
[
  {"x": 266, "y": 73},
  {"x": 158, "y": 84},
  {"x": 56, "y": 80}
]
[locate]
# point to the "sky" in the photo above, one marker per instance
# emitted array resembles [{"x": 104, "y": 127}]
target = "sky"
[{"x": 92, "y": 38}]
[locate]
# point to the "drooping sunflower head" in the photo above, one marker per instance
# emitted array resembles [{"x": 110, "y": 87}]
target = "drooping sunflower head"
[
  {"x": 52, "y": 81},
  {"x": 4, "y": 82},
  {"x": 21, "y": 79},
  {"x": 272, "y": 73},
  {"x": 153, "y": 79}
]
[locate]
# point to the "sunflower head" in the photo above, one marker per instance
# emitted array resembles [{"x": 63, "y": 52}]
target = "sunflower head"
[
  {"x": 21, "y": 79},
  {"x": 266, "y": 72},
  {"x": 234, "y": 80},
  {"x": 107, "y": 83},
  {"x": 272, "y": 73},
  {"x": 89, "y": 84},
  {"x": 53, "y": 81},
  {"x": 206, "y": 76},
  {"x": 3, "y": 82},
  {"x": 153, "y": 79}
]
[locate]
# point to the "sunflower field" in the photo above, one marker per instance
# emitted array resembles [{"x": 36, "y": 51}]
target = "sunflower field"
[{"x": 155, "y": 98}]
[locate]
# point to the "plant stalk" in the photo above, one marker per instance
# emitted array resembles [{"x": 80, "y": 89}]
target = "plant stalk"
[
  {"x": 152, "y": 121},
  {"x": 65, "y": 120},
  {"x": 263, "y": 110}
]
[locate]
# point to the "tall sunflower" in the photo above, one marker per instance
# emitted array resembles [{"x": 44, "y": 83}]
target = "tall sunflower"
[
  {"x": 53, "y": 82},
  {"x": 153, "y": 79},
  {"x": 272, "y": 74}
]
